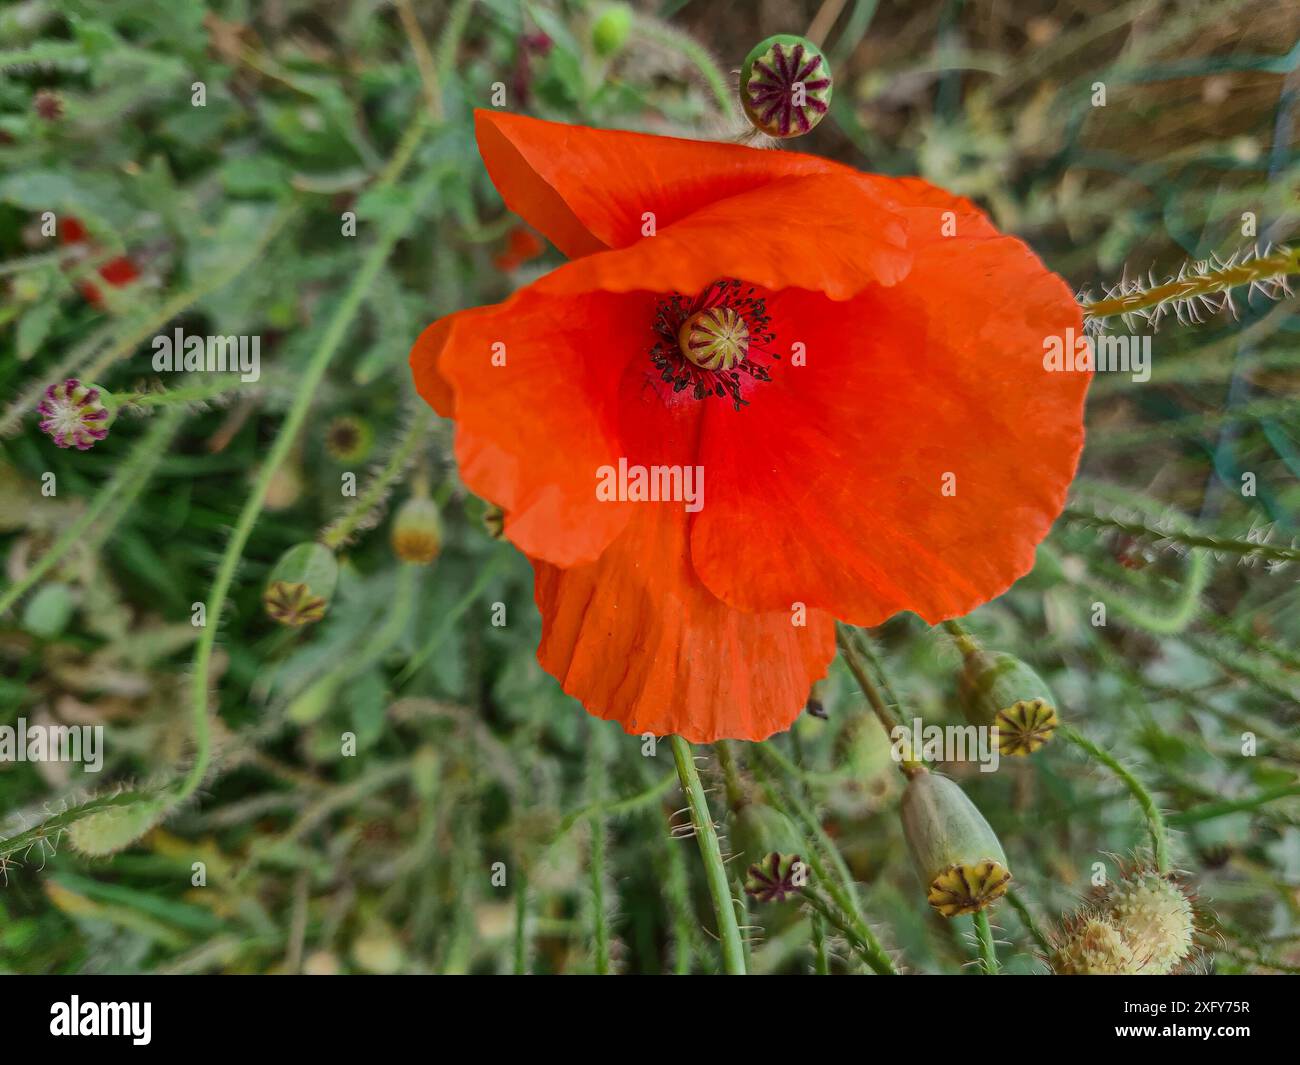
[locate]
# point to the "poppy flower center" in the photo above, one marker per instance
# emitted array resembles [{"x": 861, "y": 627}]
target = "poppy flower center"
[
  {"x": 714, "y": 344},
  {"x": 714, "y": 339}
]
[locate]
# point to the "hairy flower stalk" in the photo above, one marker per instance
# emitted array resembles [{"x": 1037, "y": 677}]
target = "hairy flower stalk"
[
  {"x": 1199, "y": 288},
  {"x": 733, "y": 949}
]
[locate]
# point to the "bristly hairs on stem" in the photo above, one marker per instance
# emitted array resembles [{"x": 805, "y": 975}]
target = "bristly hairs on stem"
[{"x": 1200, "y": 289}]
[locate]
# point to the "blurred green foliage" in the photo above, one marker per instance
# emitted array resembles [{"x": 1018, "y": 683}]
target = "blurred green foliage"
[{"x": 466, "y": 754}]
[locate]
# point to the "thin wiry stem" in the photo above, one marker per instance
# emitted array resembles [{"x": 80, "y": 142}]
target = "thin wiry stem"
[
  {"x": 284, "y": 441},
  {"x": 127, "y": 482},
  {"x": 1155, "y": 819}
]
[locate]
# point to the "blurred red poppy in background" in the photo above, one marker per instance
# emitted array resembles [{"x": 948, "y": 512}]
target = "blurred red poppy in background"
[
  {"x": 855, "y": 363},
  {"x": 118, "y": 272}
]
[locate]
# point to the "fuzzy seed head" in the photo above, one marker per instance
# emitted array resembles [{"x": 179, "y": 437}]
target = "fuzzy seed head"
[
  {"x": 1094, "y": 948},
  {"x": 1155, "y": 918}
]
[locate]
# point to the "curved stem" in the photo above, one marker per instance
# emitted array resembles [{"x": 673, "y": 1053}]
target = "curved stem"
[
  {"x": 733, "y": 950},
  {"x": 1155, "y": 819},
  {"x": 867, "y": 947},
  {"x": 310, "y": 380}
]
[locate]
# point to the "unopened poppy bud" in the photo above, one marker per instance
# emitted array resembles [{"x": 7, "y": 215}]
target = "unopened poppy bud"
[
  {"x": 494, "y": 521},
  {"x": 115, "y": 828},
  {"x": 610, "y": 30},
  {"x": 301, "y": 585},
  {"x": 75, "y": 414},
  {"x": 776, "y": 877},
  {"x": 417, "y": 531},
  {"x": 48, "y": 105},
  {"x": 955, "y": 852},
  {"x": 785, "y": 86},
  {"x": 998, "y": 689},
  {"x": 758, "y": 829}
]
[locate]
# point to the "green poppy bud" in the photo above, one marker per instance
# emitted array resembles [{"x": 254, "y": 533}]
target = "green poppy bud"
[
  {"x": 301, "y": 585},
  {"x": 955, "y": 852},
  {"x": 785, "y": 86},
  {"x": 998, "y": 689},
  {"x": 610, "y": 31},
  {"x": 115, "y": 828},
  {"x": 417, "y": 531}
]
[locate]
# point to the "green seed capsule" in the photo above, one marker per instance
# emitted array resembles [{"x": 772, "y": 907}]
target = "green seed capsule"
[
  {"x": 301, "y": 585},
  {"x": 998, "y": 689},
  {"x": 955, "y": 852},
  {"x": 785, "y": 86},
  {"x": 417, "y": 531}
]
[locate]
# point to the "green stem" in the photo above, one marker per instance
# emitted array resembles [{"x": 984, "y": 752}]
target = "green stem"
[
  {"x": 1211, "y": 810},
  {"x": 596, "y": 785},
  {"x": 1027, "y": 918},
  {"x": 130, "y": 478},
  {"x": 821, "y": 965},
  {"x": 1285, "y": 261},
  {"x": 856, "y": 659},
  {"x": 965, "y": 641},
  {"x": 521, "y": 923},
  {"x": 1155, "y": 819},
  {"x": 988, "y": 950},
  {"x": 186, "y": 393},
  {"x": 1186, "y": 537},
  {"x": 308, "y": 383},
  {"x": 733, "y": 950},
  {"x": 868, "y": 948},
  {"x": 342, "y": 528}
]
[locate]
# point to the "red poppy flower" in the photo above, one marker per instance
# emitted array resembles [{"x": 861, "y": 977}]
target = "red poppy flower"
[
  {"x": 118, "y": 272},
  {"x": 854, "y": 361}
]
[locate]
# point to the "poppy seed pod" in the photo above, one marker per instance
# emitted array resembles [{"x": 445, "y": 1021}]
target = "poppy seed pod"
[
  {"x": 776, "y": 877},
  {"x": 785, "y": 86},
  {"x": 301, "y": 585},
  {"x": 998, "y": 689},
  {"x": 417, "y": 531},
  {"x": 758, "y": 829},
  {"x": 955, "y": 852}
]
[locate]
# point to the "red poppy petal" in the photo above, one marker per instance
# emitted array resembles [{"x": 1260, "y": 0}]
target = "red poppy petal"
[
  {"x": 589, "y": 189},
  {"x": 827, "y": 489},
  {"x": 118, "y": 272},
  {"x": 824, "y": 232},
  {"x": 533, "y": 432},
  {"x": 638, "y": 639}
]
